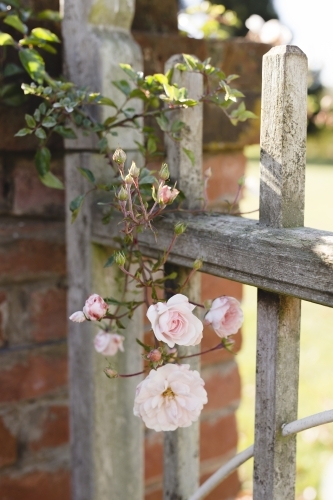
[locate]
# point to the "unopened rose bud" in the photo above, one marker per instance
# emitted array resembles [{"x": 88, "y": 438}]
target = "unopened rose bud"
[
  {"x": 110, "y": 373},
  {"x": 120, "y": 258},
  {"x": 119, "y": 156},
  {"x": 134, "y": 171},
  {"x": 197, "y": 264},
  {"x": 122, "y": 194},
  {"x": 164, "y": 173},
  {"x": 179, "y": 228},
  {"x": 208, "y": 173},
  {"x": 166, "y": 195},
  {"x": 154, "y": 355},
  {"x": 78, "y": 317},
  {"x": 95, "y": 308},
  {"x": 128, "y": 179}
]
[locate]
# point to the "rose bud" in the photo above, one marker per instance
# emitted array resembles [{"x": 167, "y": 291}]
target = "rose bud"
[
  {"x": 110, "y": 373},
  {"x": 122, "y": 194},
  {"x": 164, "y": 173},
  {"x": 134, "y": 171},
  {"x": 78, "y": 317},
  {"x": 166, "y": 195},
  {"x": 95, "y": 308},
  {"x": 119, "y": 156},
  {"x": 179, "y": 228},
  {"x": 154, "y": 355}
]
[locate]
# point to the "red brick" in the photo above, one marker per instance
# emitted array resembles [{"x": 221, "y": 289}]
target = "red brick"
[
  {"x": 154, "y": 495},
  {"x": 36, "y": 376},
  {"x": 54, "y": 429},
  {"x": 48, "y": 314},
  {"x": 37, "y": 485},
  {"x": 3, "y": 317},
  {"x": 218, "y": 436},
  {"x": 223, "y": 388},
  {"x": 30, "y": 196},
  {"x": 227, "y": 490},
  {"x": 153, "y": 456},
  {"x": 8, "y": 448},
  {"x": 227, "y": 169},
  {"x": 26, "y": 258}
]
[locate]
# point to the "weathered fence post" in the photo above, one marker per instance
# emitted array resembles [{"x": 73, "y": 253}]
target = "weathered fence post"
[
  {"x": 106, "y": 439},
  {"x": 181, "y": 447},
  {"x": 282, "y": 170}
]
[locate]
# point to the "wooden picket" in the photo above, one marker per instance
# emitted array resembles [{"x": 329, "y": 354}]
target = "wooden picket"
[{"x": 284, "y": 260}]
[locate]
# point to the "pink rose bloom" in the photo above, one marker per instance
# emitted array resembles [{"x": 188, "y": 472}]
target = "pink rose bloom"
[
  {"x": 167, "y": 195},
  {"x": 108, "y": 343},
  {"x": 174, "y": 323},
  {"x": 95, "y": 308},
  {"x": 170, "y": 397},
  {"x": 77, "y": 317},
  {"x": 225, "y": 316}
]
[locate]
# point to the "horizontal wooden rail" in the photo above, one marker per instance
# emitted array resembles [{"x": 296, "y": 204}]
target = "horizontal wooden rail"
[{"x": 297, "y": 262}]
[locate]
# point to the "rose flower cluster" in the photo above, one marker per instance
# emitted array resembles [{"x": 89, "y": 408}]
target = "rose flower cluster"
[{"x": 172, "y": 395}]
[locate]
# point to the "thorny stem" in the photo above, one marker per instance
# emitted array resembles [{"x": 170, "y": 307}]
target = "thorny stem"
[
  {"x": 189, "y": 276},
  {"x": 123, "y": 375}
]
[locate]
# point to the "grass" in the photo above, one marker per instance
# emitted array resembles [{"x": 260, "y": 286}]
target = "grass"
[{"x": 315, "y": 446}]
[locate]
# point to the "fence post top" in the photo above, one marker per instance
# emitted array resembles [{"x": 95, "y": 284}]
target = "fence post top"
[{"x": 285, "y": 49}]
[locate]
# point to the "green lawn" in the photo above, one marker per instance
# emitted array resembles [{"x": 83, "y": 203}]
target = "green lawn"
[{"x": 315, "y": 446}]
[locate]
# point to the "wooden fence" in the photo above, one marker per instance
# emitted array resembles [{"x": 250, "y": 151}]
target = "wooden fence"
[{"x": 284, "y": 260}]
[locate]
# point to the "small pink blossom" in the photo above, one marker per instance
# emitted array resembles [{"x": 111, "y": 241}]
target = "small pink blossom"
[
  {"x": 225, "y": 316},
  {"x": 108, "y": 343},
  {"x": 77, "y": 317},
  {"x": 170, "y": 397},
  {"x": 174, "y": 323},
  {"x": 95, "y": 308},
  {"x": 166, "y": 195}
]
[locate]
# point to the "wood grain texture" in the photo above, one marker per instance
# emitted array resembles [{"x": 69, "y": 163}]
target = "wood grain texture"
[
  {"x": 181, "y": 447},
  {"x": 297, "y": 262},
  {"x": 282, "y": 173}
]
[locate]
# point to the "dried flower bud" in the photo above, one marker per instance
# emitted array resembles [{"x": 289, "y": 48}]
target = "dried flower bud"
[
  {"x": 120, "y": 258},
  {"x": 119, "y": 156},
  {"x": 197, "y": 264},
  {"x": 134, "y": 171},
  {"x": 128, "y": 179},
  {"x": 122, "y": 194},
  {"x": 164, "y": 173},
  {"x": 179, "y": 228},
  {"x": 110, "y": 373},
  {"x": 154, "y": 355}
]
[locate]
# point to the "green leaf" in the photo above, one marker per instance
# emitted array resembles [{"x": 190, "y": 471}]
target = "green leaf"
[
  {"x": 177, "y": 126},
  {"x": 151, "y": 145},
  {"x": 40, "y": 133},
  {"x": 23, "y": 132},
  {"x": 49, "y": 15},
  {"x": 49, "y": 121},
  {"x": 103, "y": 145},
  {"x": 109, "y": 262},
  {"x": 123, "y": 86},
  {"x": 51, "y": 181},
  {"x": 12, "y": 69},
  {"x": 106, "y": 101},
  {"x": 190, "y": 61},
  {"x": 75, "y": 206},
  {"x": 68, "y": 133},
  {"x": 147, "y": 179},
  {"x": 146, "y": 347},
  {"x": 129, "y": 71},
  {"x": 43, "y": 161},
  {"x": 87, "y": 174},
  {"x": 16, "y": 23},
  {"x": 45, "y": 34},
  {"x": 160, "y": 78},
  {"x": 6, "y": 39},
  {"x": 190, "y": 155},
  {"x": 33, "y": 63},
  {"x": 30, "y": 121},
  {"x": 163, "y": 122}
]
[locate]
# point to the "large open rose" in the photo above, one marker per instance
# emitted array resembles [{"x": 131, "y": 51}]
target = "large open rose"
[
  {"x": 225, "y": 316},
  {"x": 170, "y": 397},
  {"x": 108, "y": 343},
  {"x": 174, "y": 323}
]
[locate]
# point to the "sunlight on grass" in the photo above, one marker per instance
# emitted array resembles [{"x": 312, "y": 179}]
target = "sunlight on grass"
[{"x": 315, "y": 446}]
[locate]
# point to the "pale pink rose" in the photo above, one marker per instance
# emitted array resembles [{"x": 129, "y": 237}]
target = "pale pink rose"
[
  {"x": 95, "y": 308},
  {"x": 108, "y": 343},
  {"x": 167, "y": 195},
  {"x": 170, "y": 397},
  {"x": 174, "y": 323},
  {"x": 77, "y": 317},
  {"x": 225, "y": 316}
]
